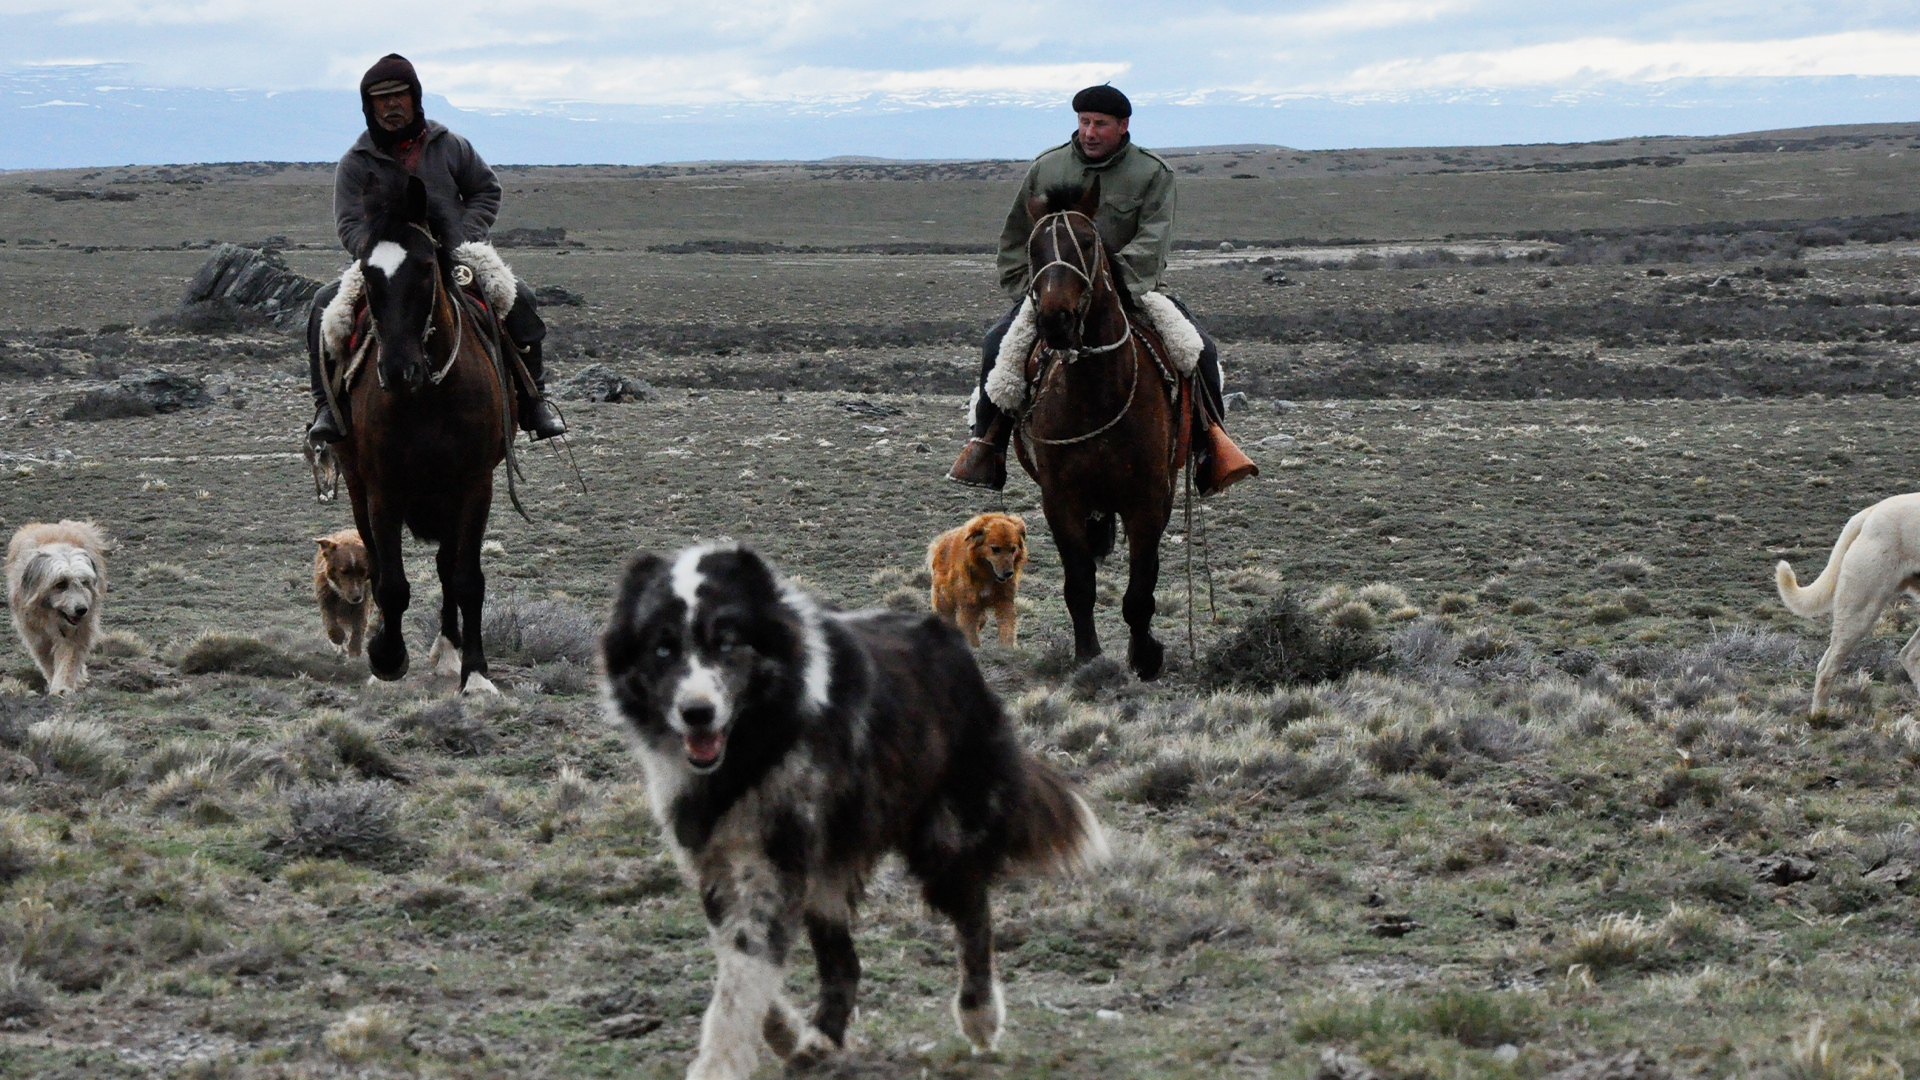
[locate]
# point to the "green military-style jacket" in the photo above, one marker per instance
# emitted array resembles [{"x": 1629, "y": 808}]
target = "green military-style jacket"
[{"x": 1135, "y": 217}]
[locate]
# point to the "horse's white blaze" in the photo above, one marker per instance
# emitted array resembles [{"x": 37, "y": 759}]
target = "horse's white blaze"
[{"x": 386, "y": 257}]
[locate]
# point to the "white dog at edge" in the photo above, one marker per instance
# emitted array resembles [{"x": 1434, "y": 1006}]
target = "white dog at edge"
[
  {"x": 55, "y": 579},
  {"x": 1876, "y": 558}
]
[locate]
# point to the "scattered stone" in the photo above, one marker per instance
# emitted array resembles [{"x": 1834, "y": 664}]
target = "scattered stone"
[
  {"x": 511, "y": 238},
  {"x": 1109, "y": 1015},
  {"x": 141, "y": 393},
  {"x": 1393, "y": 926},
  {"x": 252, "y": 280},
  {"x": 1283, "y": 405},
  {"x": 1277, "y": 277},
  {"x": 1337, "y": 1064},
  {"x": 1897, "y": 874},
  {"x": 1632, "y": 1065},
  {"x": 1237, "y": 402},
  {"x": 558, "y": 296},
  {"x": 599, "y": 383},
  {"x": 1784, "y": 870},
  {"x": 863, "y": 407},
  {"x": 1226, "y": 247},
  {"x": 1276, "y": 442},
  {"x": 628, "y": 1026}
]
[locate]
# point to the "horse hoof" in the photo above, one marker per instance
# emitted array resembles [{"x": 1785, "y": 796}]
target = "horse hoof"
[
  {"x": 389, "y": 669},
  {"x": 1145, "y": 657},
  {"x": 479, "y": 684}
]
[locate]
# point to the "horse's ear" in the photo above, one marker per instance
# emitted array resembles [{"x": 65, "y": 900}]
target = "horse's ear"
[
  {"x": 1036, "y": 207},
  {"x": 416, "y": 200},
  {"x": 1090, "y": 199}
]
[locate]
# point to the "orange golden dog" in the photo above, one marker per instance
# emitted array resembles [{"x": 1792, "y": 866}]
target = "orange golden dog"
[
  {"x": 342, "y": 575},
  {"x": 976, "y": 568}
]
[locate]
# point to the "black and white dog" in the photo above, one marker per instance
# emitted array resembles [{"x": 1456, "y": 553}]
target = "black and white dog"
[{"x": 787, "y": 750}]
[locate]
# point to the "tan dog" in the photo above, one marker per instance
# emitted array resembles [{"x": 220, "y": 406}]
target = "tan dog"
[
  {"x": 342, "y": 578},
  {"x": 976, "y": 567},
  {"x": 56, "y": 576},
  {"x": 1876, "y": 559}
]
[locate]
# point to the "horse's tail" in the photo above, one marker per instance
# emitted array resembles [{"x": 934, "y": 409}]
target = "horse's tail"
[
  {"x": 1816, "y": 597},
  {"x": 1101, "y": 530}
]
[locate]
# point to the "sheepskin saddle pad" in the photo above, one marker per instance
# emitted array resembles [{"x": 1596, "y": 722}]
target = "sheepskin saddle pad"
[
  {"x": 493, "y": 281},
  {"x": 1007, "y": 383}
]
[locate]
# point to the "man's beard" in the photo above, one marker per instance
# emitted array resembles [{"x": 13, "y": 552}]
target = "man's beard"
[{"x": 387, "y": 140}]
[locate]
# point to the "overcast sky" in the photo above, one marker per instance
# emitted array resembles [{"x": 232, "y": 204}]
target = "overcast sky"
[
  {"x": 646, "y": 52},
  {"x": 1403, "y": 71}
]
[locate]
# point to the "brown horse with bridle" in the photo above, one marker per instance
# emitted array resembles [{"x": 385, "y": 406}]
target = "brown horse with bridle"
[
  {"x": 1107, "y": 427},
  {"x": 425, "y": 432}
]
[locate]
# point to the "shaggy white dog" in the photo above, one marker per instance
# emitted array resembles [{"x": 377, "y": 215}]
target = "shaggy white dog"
[
  {"x": 56, "y": 576},
  {"x": 1876, "y": 558}
]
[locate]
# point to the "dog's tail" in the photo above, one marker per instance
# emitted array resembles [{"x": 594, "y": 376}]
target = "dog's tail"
[
  {"x": 1816, "y": 598},
  {"x": 1055, "y": 832}
]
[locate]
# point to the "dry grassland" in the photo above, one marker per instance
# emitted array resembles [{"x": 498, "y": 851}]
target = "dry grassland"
[{"x": 1572, "y": 821}]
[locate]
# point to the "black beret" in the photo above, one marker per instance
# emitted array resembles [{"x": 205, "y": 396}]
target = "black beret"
[{"x": 1103, "y": 99}]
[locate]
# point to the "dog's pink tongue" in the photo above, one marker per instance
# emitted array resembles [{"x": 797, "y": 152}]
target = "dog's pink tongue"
[{"x": 703, "y": 746}]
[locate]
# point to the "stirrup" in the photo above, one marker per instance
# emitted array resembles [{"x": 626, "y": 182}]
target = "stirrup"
[
  {"x": 981, "y": 469},
  {"x": 326, "y": 427},
  {"x": 542, "y": 420}
]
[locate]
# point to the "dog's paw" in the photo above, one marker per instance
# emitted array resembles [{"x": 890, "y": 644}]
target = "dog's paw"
[
  {"x": 445, "y": 657},
  {"x": 814, "y": 1048}
]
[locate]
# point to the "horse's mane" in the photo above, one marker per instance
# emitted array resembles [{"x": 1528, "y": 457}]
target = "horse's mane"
[
  {"x": 386, "y": 208},
  {"x": 1067, "y": 197}
]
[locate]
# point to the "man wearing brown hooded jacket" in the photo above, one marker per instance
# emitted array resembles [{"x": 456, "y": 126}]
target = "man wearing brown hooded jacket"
[{"x": 400, "y": 141}]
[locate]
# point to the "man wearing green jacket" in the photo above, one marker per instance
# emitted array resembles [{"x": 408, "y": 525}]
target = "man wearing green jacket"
[{"x": 1135, "y": 220}]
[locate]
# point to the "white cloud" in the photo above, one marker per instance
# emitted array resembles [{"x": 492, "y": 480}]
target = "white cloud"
[
  {"x": 1863, "y": 53},
  {"x": 719, "y": 78}
]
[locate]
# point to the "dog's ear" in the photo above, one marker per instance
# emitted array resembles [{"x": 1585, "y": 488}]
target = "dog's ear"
[
  {"x": 619, "y": 644},
  {"x": 33, "y": 577},
  {"x": 974, "y": 536},
  {"x": 326, "y": 542},
  {"x": 1020, "y": 529},
  {"x": 99, "y": 572}
]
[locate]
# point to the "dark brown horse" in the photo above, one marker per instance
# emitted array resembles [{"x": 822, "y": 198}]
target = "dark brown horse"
[
  {"x": 427, "y": 423},
  {"x": 1105, "y": 432}
]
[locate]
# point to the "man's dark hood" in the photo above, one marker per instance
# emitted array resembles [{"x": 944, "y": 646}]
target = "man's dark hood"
[{"x": 391, "y": 68}]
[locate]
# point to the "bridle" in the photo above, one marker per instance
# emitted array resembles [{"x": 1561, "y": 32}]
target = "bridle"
[
  {"x": 426, "y": 335},
  {"x": 1089, "y": 265}
]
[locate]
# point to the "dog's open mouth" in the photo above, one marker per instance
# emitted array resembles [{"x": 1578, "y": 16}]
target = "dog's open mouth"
[{"x": 704, "y": 748}]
